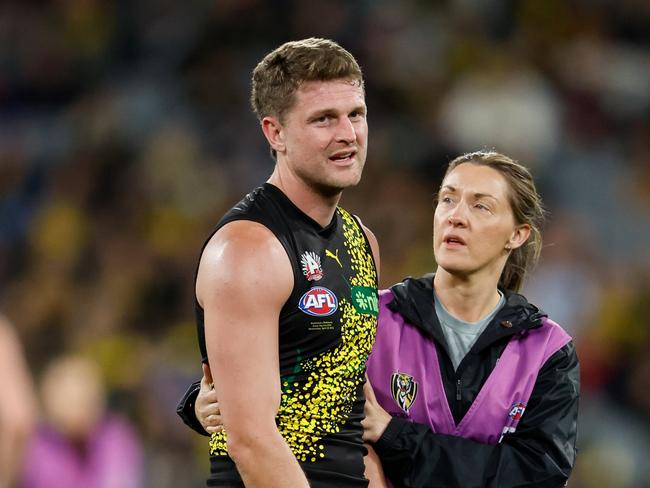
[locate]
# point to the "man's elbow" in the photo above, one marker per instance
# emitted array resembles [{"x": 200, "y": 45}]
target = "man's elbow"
[{"x": 245, "y": 443}]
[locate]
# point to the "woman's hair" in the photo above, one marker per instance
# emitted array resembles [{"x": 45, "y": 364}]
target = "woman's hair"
[{"x": 526, "y": 205}]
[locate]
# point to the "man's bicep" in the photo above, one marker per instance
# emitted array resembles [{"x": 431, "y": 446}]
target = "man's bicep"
[
  {"x": 243, "y": 355},
  {"x": 244, "y": 279}
]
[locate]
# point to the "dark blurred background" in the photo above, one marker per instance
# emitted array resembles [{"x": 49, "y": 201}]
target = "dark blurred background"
[{"x": 125, "y": 133}]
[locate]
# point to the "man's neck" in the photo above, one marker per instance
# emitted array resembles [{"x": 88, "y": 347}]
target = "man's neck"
[
  {"x": 318, "y": 207},
  {"x": 467, "y": 298}
]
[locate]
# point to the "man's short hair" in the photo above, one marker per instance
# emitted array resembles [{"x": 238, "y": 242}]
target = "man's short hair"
[{"x": 277, "y": 77}]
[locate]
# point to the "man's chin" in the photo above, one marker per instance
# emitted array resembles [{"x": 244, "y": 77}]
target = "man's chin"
[
  {"x": 329, "y": 191},
  {"x": 334, "y": 188}
]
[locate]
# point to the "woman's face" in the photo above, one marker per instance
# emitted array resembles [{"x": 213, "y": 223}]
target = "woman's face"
[{"x": 473, "y": 223}]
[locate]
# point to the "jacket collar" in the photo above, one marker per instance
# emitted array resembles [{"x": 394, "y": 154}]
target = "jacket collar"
[{"x": 414, "y": 301}]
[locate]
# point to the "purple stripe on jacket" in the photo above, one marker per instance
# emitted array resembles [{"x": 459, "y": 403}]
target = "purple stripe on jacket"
[{"x": 405, "y": 374}]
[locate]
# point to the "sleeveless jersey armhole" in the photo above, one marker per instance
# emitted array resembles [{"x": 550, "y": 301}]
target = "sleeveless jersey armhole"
[{"x": 365, "y": 237}]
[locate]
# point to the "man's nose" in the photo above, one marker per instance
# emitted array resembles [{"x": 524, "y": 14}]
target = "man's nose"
[{"x": 346, "y": 131}]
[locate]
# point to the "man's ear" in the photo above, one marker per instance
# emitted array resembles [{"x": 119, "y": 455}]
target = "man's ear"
[
  {"x": 274, "y": 133},
  {"x": 519, "y": 236}
]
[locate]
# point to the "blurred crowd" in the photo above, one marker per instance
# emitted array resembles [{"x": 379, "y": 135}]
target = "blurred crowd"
[{"x": 125, "y": 133}]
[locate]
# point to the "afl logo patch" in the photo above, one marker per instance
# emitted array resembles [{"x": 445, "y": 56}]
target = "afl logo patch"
[
  {"x": 319, "y": 302},
  {"x": 517, "y": 410}
]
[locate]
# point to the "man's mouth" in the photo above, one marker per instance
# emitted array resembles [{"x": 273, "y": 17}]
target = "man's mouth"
[{"x": 343, "y": 157}]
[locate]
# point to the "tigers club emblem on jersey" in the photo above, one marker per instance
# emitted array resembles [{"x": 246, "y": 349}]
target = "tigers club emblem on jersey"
[
  {"x": 404, "y": 390},
  {"x": 319, "y": 302},
  {"x": 311, "y": 267}
]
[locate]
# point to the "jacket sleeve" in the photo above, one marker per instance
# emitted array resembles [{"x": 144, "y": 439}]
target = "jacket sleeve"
[
  {"x": 540, "y": 453},
  {"x": 185, "y": 408}
]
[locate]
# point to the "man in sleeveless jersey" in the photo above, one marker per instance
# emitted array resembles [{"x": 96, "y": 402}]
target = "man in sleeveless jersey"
[{"x": 286, "y": 287}]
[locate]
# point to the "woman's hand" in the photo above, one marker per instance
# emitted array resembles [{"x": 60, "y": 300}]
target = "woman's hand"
[
  {"x": 377, "y": 418},
  {"x": 206, "y": 407},
  {"x": 208, "y": 414}
]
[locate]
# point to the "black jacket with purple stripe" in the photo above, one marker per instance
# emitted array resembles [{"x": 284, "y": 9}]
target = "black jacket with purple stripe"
[{"x": 540, "y": 453}]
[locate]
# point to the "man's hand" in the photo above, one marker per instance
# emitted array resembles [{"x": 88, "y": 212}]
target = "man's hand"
[
  {"x": 377, "y": 418},
  {"x": 206, "y": 407}
]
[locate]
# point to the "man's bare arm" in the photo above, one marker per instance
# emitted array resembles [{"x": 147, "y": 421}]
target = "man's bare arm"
[
  {"x": 17, "y": 405},
  {"x": 244, "y": 279}
]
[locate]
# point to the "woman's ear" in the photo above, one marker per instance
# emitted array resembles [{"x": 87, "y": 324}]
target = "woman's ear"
[{"x": 518, "y": 237}]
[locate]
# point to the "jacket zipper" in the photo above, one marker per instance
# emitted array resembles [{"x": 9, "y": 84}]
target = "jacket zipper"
[{"x": 458, "y": 387}]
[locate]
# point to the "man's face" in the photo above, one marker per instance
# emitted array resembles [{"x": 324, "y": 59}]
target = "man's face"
[
  {"x": 325, "y": 135},
  {"x": 473, "y": 221}
]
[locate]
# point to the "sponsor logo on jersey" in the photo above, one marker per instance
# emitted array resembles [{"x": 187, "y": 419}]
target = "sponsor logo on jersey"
[
  {"x": 319, "y": 302},
  {"x": 404, "y": 390},
  {"x": 311, "y": 267},
  {"x": 334, "y": 256},
  {"x": 365, "y": 301}
]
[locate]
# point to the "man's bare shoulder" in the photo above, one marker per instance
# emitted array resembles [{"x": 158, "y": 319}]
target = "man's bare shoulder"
[{"x": 244, "y": 253}]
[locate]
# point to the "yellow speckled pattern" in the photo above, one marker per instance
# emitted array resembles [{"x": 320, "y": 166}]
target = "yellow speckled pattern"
[{"x": 321, "y": 403}]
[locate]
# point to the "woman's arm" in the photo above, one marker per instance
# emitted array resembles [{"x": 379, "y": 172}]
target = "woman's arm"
[
  {"x": 199, "y": 407},
  {"x": 374, "y": 472},
  {"x": 540, "y": 453}
]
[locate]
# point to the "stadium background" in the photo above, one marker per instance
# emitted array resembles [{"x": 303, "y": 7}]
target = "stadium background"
[{"x": 125, "y": 132}]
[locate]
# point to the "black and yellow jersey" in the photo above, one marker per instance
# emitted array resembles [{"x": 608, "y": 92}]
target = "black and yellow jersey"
[{"x": 326, "y": 332}]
